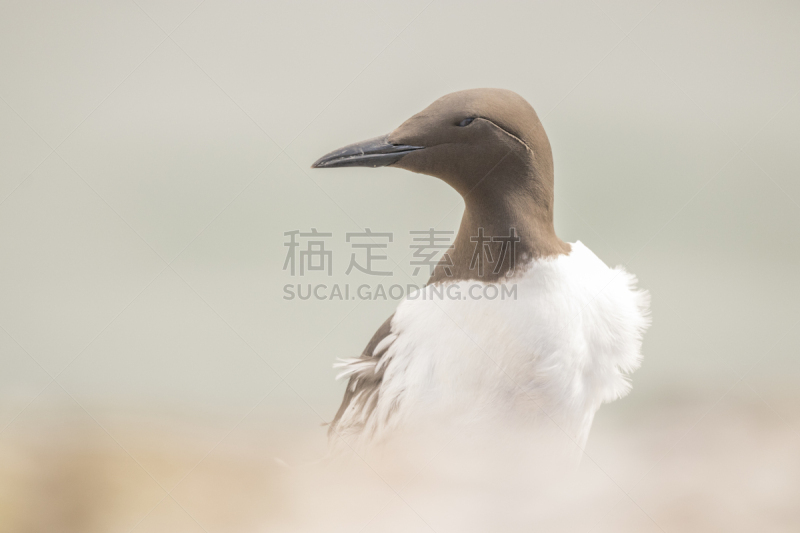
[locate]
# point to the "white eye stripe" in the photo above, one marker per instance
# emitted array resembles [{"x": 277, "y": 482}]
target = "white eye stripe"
[{"x": 466, "y": 122}]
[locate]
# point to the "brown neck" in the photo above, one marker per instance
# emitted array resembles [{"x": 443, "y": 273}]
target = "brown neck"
[{"x": 507, "y": 222}]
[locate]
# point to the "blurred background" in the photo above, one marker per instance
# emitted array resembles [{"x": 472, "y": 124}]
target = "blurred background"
[{"x": 152, "y": 155}]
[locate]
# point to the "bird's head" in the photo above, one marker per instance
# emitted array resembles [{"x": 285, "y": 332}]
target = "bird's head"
[{"x": 486, "y": 139}]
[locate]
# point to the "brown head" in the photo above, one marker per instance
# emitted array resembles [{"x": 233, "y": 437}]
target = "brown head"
[{"x": 489, "y": 145}]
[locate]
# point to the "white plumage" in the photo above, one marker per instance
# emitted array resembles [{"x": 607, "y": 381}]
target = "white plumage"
[{"x": 565, "y": 345}]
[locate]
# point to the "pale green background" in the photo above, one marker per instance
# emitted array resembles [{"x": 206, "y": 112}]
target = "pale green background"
[{"x": 146, "y": 182}]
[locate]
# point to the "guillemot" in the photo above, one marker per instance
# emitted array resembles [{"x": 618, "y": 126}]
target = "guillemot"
[{"x": 565, "y": 344}]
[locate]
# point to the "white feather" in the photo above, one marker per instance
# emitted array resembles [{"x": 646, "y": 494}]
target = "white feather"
[{"x": 385, "y": 342}]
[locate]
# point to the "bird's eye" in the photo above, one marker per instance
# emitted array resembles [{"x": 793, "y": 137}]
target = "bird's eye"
[{"x": 466, "y": 122}]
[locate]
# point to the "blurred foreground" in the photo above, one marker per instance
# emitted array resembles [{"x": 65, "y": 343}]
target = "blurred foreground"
[{"x": 702, "y": 466}]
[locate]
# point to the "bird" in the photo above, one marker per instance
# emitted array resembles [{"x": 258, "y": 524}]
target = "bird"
[{"x": 564, "y": 344}]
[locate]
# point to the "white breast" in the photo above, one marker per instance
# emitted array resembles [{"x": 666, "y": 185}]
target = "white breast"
[{"x": 557, "y": 345}]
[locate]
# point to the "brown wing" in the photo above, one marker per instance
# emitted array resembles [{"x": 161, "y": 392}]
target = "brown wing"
[{"x": 363, "y": 387}]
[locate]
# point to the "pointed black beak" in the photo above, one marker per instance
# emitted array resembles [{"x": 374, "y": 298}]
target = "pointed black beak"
[{"x": 377, "y": 152}]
